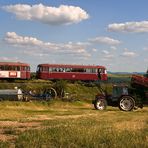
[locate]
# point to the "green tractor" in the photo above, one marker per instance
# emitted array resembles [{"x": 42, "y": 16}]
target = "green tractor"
[{"x": 125, "y": 97}]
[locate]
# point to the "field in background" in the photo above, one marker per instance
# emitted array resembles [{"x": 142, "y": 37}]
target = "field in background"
[{"x": 70, "y": 123}]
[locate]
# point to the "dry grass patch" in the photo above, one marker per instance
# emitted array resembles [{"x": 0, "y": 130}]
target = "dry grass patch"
[{"x": 129, "y": 125}]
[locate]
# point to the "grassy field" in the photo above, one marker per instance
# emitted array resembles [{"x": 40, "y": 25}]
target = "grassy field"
[{"x": 70, "y": 125}]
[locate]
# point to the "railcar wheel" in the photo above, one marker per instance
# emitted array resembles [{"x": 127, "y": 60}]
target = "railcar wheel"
[
  {"x": 100, "y": 104},
  {"x": 126, "y": 103}
]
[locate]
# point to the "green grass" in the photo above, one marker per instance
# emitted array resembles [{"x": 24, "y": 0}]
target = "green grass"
[{"x": 72, "y": 124}]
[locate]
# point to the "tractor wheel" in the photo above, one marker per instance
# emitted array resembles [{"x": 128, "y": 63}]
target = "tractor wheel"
[
  {"x": 126, "y": 103},
  {"x": 100, "y": 104},
  {"x": 51, "y": 92}
]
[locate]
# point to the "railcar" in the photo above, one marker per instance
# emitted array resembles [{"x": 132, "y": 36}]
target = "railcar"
[
  {"x": 71, "y": 72},
  {"x": 14, "y": 70}
]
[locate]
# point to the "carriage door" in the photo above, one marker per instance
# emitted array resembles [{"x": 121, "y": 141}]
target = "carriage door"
[
  {"x": 99, "y": 73},
  {"x": 102, "y": 74},
  {"x": 23, "y": 72}
]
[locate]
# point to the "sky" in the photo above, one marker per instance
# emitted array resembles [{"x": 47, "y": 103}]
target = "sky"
[{"x": 111, "y": 33}]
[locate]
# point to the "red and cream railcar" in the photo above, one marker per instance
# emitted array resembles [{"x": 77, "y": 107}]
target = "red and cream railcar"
[
  {"x": 71, "y": 72},
  {"x": 14, "y": 70}
]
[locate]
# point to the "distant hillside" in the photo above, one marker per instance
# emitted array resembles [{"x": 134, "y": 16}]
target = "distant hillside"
[{"x": 122, "y": 73}]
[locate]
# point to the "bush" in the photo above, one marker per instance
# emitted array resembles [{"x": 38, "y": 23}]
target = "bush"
[{"x": 60, "y": 87}]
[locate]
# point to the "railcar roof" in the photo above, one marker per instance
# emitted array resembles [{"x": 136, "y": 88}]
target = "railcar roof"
[
  {"x": 71, "y": 66},
  {"x": 14, "y": 64}
]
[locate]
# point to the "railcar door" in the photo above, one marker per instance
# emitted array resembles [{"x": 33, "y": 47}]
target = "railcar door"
[
  {"x": 102, "y": 74},
  {"x": 23, "y": 72}
]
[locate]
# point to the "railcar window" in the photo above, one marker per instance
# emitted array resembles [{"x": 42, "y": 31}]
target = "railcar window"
[
  {"x": 15, "y": 68},
  {"x": 88, "y": 70},
  {"x": 6, "y": 68},
  {"x": 91, "y": 70},
  {"x": 45, "y": 68},
  {"x": 61, "y": 69},
  {"x": 28, "y": 68},
  {"x": 68, "y": 69},
  {"x": 41, "y": 68},
  {"x": 23, "y": 68},
  {"x": 2, "y": 67},
  {"x": 54, "y": 69},
  {"x": 101, "y": 70},
  {"x": 50, "y": 69},
  {"x": 38, "y": 69},
  {"x": 78, "y": 70},
  {"x": 18, "y": 68}
]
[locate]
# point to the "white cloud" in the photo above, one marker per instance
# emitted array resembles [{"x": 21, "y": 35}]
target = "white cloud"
[
  {"x": 94, "y": 50},
  {"x": 15, "y": 59},
  {"x": 145, "y": 60},
  {"x": 33, "y": 46},
  {"x": 13, "y": 38},
  {"x": 113, "y": 48},
  {"x": 125, "y": 49},
  {"x": 105, "y": 52},
  {"x": 145, "y": 49},
  {"x": 48, "y": 15},
  {"x": 128, "y": 54},
  {"x": 105, "y": 40},
  {"x": 108, "y": 57},
  {"x": 136, "y": 27}
]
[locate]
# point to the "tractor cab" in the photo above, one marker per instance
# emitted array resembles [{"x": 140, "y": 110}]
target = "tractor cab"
[{"x": 118, "y": 91}]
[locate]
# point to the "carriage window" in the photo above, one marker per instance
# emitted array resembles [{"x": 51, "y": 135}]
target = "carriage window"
[
  {"x": 23, "y": 68},
  {"x": 54, "y": 69},
  {"x": 38, "y": 69},
  {"x": 50, "y": 69},
  {"x": 68, "y": 69},
  {"x": 88, "y": 70},
  {"x": 78, "y": 70},
  {"x": 6, "y": 68},
  {"x": 15, "y": 68},
  {"x": 2, "y": 67},
  {"x": 101, "y": 70},
  {"x": 28, "y": 68},
  {"x": 45, "y": 68},
  {"x": 18, "y": 68},
  {"x": 61, "y": 69},
  {"x": 93, "y": 70}
]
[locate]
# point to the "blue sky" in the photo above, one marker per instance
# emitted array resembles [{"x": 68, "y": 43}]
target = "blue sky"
[{"x": 113, "y": 33}]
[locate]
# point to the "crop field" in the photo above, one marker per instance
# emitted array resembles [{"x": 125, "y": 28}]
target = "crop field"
[{"x": 70, "y": 122}]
